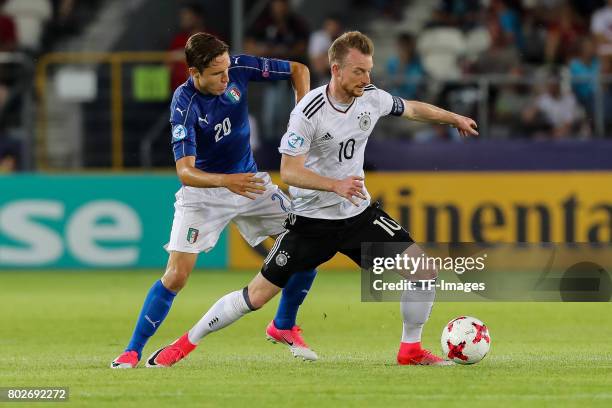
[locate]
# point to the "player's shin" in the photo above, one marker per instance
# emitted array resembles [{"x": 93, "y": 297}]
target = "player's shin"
[
  {"x": 416, "y": 302},
  {"x": 293, "y": 295},
  {"x": 224, "y": 312},
  {"x": 415, "y": 307},
  {"x": 153, "y": 312}
]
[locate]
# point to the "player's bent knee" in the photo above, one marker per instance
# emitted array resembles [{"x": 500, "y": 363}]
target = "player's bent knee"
[
  {"x": 174, "y": 281},
  {"x": 260, "y": 291},
  {"x": 256, "y": 301},
  {"x": 178, "y": 270},
  {"x": 426, "y": 270}
]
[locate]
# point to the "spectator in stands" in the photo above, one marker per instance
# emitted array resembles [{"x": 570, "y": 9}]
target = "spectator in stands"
[
  {"x": 319, "y": 43},
  {"x": 509, "y": 100},
  {"x": 563, "y": 34},
  {"x": 64, "y": 10},
  {"x": 533, "y": 24},
  {"x": 191, "y": 21},
  {"x": 388, "y": 8},
  {"x": 405, "y": 73},
  {"x": 8, "y": 155},
  {"x": 585, "y": 68},
  {"x": 503, "y": 53},
  {"x": 508, "y": 21},
  {"x": 279, "y": 33},
  {"x": 601, "y": 27},
  {"x": 553, "y": 113},
  {"x": 64, "y": 22},
  {"x": 462, "y": 14}
]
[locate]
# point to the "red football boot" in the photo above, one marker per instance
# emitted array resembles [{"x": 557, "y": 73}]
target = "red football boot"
[
  {"x": 413, "y": 354},
  {"x": 292, "y": 338},
  {"x": 127, "y": 359},
  {"x": 172, "y": 354}
]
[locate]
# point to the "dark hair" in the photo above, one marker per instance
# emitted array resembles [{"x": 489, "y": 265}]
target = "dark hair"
[{"x": 202, "y": 48}]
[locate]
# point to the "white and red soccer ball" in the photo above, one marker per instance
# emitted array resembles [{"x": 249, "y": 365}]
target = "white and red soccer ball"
[{"x": 465, "y": 340}]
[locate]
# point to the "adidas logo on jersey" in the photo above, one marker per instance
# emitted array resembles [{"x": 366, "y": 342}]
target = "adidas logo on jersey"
[{"x": 326, "y": 137}]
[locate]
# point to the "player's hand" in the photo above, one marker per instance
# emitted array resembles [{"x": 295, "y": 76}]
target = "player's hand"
[
  {"x": 466, "y": 126},
  {"x": 245, "y": 184},
  {"x": 350, "y": 188}
]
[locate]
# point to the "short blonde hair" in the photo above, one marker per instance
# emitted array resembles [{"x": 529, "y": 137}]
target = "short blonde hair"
[{"x": 351, "y": 39}]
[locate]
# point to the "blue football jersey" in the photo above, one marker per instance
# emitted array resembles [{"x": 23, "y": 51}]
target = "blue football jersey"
[{"x": 215, "y": 128}]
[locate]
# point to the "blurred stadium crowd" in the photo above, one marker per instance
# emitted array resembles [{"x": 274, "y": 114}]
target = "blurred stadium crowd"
[
  {"x": 541, "y": 59},
  {"x": 29, "y": 28},
  {"x": 528, "y": 69}
]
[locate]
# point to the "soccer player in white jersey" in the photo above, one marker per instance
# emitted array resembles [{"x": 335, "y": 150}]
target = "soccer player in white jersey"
[{"x": 323, "y": 153}]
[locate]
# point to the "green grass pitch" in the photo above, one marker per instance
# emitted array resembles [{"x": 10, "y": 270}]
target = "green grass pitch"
[{"x": 64, "y": 328}]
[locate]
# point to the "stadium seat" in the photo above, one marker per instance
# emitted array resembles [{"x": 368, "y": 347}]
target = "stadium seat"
[
  {"x": 441, "y": 40},
  {"x": 441, "y": 66},
  {"x": 477, "y": 41},
  {"x": 440, "y": 49},
  {"x": 30, "y": 17}
]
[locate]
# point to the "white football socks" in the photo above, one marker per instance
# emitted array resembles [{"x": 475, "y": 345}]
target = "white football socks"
[
  {"x": 226, "y": 311},
  {"x": 416, "y": 307}
]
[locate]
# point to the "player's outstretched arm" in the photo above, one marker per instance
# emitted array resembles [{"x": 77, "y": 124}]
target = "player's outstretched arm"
[
  {"x": 424, "y": 112},
  {"x": 300, "y": 79},
  {"x": 244, "y": 184},
  {"x": 294, "y": 173}
]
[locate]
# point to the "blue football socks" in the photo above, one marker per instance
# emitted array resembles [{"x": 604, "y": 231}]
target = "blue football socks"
[
  {"x": 154, "y": 310},
  {"x": 294, "y": 294}
]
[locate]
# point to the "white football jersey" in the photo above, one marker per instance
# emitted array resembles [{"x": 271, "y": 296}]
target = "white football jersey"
[{"x": 334, "y": 141}]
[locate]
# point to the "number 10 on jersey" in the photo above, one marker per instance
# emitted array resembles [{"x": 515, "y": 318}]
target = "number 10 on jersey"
[{"x": 347, "y": 149}]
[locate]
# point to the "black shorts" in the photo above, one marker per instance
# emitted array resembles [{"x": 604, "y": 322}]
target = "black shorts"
[{"x": 309, "y": 242}]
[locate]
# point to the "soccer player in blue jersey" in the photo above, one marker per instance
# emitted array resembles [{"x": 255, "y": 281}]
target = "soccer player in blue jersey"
[{"x": 221, "y": 183}]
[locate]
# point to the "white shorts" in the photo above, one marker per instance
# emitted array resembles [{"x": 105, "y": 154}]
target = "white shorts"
[{"x": 201, "y": 214}]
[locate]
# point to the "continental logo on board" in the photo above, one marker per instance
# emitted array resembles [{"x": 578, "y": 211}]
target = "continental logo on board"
[{"x": 483, "y": 207}]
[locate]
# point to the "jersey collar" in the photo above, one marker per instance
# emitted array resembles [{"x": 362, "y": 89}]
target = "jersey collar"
[{"x": 333, "y": 106}]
